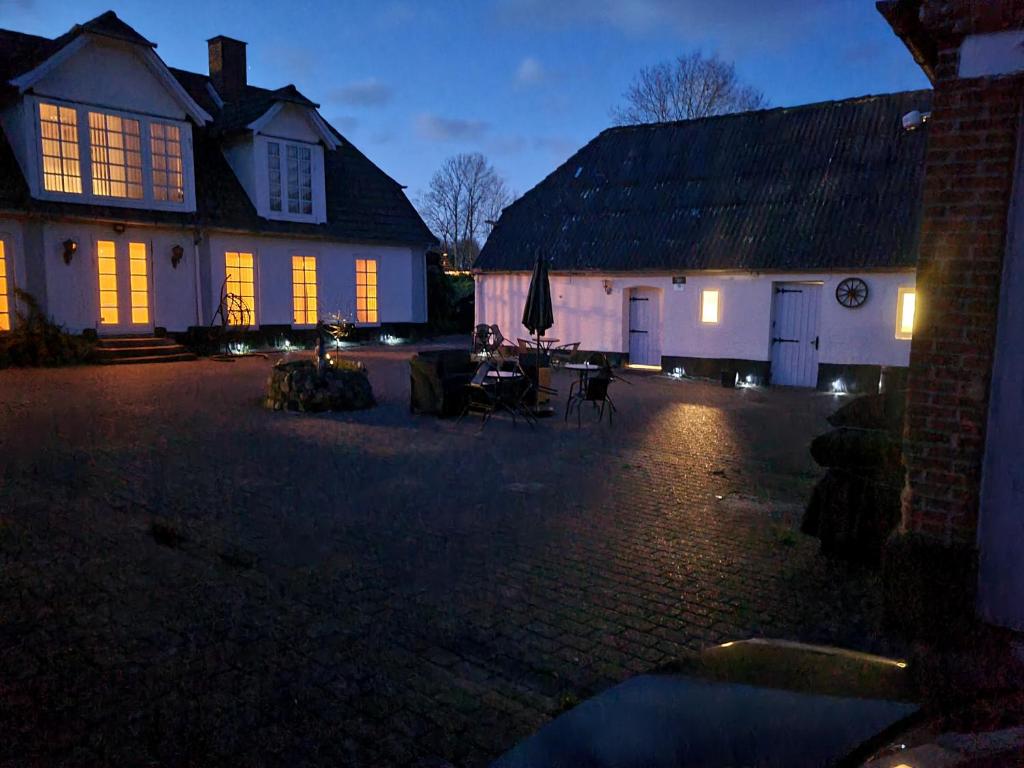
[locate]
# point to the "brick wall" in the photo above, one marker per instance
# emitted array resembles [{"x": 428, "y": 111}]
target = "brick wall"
[{"x": 972, "y": 140}]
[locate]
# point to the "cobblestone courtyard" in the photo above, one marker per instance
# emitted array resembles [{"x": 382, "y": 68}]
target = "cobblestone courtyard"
[{"x": 187, "y": 579}]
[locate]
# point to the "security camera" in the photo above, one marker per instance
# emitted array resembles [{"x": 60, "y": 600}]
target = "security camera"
[{"x": 915, "y": 119}]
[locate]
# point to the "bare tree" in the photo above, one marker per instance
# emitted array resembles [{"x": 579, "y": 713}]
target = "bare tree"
[
  {"x": 689, "y": 87},
  {"x": 464, "y": 196}
]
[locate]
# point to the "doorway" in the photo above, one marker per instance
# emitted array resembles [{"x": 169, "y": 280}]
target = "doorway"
[
  {"x": 125, "y": 288},
  {"x": 645, "y": 327},
  {"x": 796, "y": 308}
]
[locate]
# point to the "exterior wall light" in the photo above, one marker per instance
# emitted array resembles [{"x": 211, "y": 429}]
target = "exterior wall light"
[
  {"x": 119, "y": 228},
  {"x": 608, "y": 287},
  {"x": 70, "y": 248},
  {"x": 177, "y": 252}
]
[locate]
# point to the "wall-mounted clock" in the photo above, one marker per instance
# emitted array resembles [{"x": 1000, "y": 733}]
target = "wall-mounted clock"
[{"x": 852, "y": 292}]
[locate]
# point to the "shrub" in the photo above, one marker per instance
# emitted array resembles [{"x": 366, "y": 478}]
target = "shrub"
[{"x": 35, "y": 340}]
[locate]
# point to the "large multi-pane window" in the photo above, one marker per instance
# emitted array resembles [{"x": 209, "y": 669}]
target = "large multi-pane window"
[
  {"x": 304, "y": 290},
  {"x": 240, "y": 283},
  {"x": 366, "y": 290},
  {"x": 106, "y": 258},
  {"x": 58, "y": 131},
  {"x": 116, "y": 153},
  {"x": 5, "y": 307},
  {"x": 290, "y": 178},
  {"x": 168, "y": 171}
]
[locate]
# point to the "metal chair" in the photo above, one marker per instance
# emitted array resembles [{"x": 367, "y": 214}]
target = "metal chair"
[
  {"x": 592, "y": 389},
  {"x": 563, "y": 353},
  {"x": 481, "y": 394}
]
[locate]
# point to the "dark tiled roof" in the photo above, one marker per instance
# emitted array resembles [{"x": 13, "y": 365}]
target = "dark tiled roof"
[
  {"x": 109, "y": 25},
  {"x": 834, "y": 185},
  {"x": 364, "y": 204}
]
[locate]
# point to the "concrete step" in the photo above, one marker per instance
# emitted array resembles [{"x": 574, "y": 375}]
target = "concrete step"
[
  {"x": 123, "y": 342},
  {"x": 138, "y": 351},
  {"x": 174, "y": 357}
]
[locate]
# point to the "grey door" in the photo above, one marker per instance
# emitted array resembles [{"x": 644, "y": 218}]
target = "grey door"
[
  {"x": 796, "y": 308},
  {"x": 644, "y": 327}
]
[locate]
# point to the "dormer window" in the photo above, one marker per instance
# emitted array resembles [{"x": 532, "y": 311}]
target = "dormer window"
[
  {"x": 116, "y": 153},
  {"x": 58, "y": 129},
  {"x": 290, "y": 178},
  {"x": 129, "y": 159}
]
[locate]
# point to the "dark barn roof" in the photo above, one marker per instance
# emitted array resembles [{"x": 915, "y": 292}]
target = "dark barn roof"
[
  {"x": 835, "y": 185},
  {"x": 364, "y": 204}
]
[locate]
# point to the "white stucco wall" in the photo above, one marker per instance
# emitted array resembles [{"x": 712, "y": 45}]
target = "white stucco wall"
[
  {"x": 585, "y": 313},
  {"x": 72, "y": 290},
  {"x": 109, "y": 74},
  {"x": 400, "y": 276}
]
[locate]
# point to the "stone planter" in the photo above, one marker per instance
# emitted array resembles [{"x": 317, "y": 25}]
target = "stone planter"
[{"x": 295, "y": 385}]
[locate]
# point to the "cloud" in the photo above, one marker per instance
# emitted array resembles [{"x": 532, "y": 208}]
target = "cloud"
[
  {"x": 345, "y": 123},
  {"x": 732, "y": 22},
  {"x": 437, "y": 128},
  {"x": 364, "y": 93},
  {"x": 530, "y": 71}
]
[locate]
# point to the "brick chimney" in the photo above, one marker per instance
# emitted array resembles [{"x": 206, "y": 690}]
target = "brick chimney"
[{"x": 227, "y": 66}]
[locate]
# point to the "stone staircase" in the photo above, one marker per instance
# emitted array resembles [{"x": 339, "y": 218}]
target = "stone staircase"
[{"x": 124, "y": 350}]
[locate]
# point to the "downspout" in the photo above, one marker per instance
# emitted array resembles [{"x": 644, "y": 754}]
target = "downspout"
[{"x": 197, "y": 238}]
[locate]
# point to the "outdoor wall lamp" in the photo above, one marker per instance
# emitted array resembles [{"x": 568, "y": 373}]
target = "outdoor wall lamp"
[
  {"x": 70, "y": 247},
  {"x": 119, "y": 228},
  {"x": 177, "y": 252},
  {"x": 608, "y": 287}
]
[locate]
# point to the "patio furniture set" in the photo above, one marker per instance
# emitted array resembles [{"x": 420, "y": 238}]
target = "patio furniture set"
[{"x": 517, "y": 379}]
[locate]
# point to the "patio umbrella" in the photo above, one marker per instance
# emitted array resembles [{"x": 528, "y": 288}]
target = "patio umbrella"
[{"x": 537, "y": 314}]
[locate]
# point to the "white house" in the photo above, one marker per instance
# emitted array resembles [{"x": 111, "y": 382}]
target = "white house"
[
  {"x": 780, "y": 244},
  {"x": 133, "y": 196}
]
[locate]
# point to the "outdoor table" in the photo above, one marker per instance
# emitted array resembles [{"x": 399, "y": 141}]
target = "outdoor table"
[
  {"x": 584, "y": 370},
  {"x": 503, "y": 374},
  {"x": 546, "y": 344}
]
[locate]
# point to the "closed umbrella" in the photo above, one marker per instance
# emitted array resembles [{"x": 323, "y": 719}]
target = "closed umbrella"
[{"x": 537, "y": 314}]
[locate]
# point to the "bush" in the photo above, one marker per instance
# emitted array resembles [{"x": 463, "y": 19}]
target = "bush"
[
  {"x": 449, "y": 301},
  {"x": 35, "y": 340}
]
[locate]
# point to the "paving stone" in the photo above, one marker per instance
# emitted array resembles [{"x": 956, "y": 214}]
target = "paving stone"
[{"x": 365, "y": 589}]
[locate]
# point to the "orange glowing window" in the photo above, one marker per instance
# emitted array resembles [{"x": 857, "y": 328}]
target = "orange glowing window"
[
  {"x": 116, "y": 153},
  {"x": 5, "y": 309},
  {"x": 906, "y": 304},
  {"x": 366, "y": 290},
  {"x": 304, "y": 290},
  {"x": 240, "y": 281},
  {"x": 709, "y": 306},
  {"x": 168, "y": 173},
  {"x": 138, "y": 272},
  {"x": 58, "y": 133},
  {"x": 107, "y": 264}
]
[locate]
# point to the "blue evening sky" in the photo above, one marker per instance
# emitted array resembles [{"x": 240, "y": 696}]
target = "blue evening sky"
[{"x": 526, "y": 82}]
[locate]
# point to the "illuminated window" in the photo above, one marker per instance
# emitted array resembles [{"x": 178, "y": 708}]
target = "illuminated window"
[
  {"x": 107, "y": 261},
  {"x": 58, "y": 130},
  {"x": 906, "y": 304},
  {"x": 290, "y": 177},
  {"x": 304, "y": 290},
  {"x": 5, "y": 309},
  {"x": 709, "y": 306},
  {"x": 168, "y": 173},
  {"x": 240, "y": 282},
  {"x": 366, "y": 290},
  {"x": 116, "y": 153},
  {"x": 138, "y": 271}
]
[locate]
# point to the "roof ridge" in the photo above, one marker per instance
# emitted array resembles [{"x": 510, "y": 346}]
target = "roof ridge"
[{"x": 783, "y": 108}]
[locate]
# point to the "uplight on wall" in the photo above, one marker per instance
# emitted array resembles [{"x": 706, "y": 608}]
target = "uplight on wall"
[
  {"x": 709, "y": 306},
  {"x": 906, "y": 306}
]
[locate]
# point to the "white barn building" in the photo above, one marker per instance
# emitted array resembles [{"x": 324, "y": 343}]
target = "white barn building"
[
  {"x": 780, "y": 244},
  {"x": 132, "y": 195}
]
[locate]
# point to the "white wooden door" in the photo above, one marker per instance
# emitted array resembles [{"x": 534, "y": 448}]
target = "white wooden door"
[
  {"x": 644, "y": 327},
  {"x": 795, "y": 311}
]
